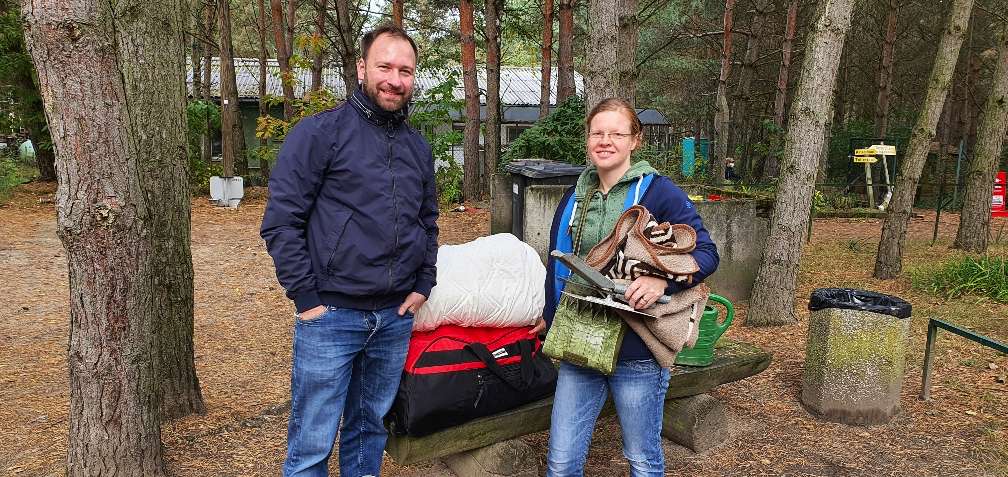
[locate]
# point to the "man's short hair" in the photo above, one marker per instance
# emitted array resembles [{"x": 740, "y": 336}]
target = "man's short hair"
[{"x": 385, "y": 29}]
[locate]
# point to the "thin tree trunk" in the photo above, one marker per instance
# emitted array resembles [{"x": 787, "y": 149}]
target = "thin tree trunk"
[
  {"x": 785, "y": 66},
  {"x": 772, "y": 166},
  {"x": 885, "y": 71},
  {"x": 611, "y": 51},
  {"x": 397, "y": 13},
  {"x": 722, "y": 116},
  {"x": 283, "y": 56},
  {"x": 470, "y": 135},
  {"x": 974, "y": 222},
  {"x": 347, "y": 46},
  {"x": 209, "y": 19},
  {"x": 547, "y": 54},
  {"x": 889, "y": 260},
  {"x": 318, "y": 55},
  {"x": 745, "y": 83},
  {"x": 291, "y": 24},
  {"x": 117, "y": 130},
  {"x": 492, "y": 134},
  {"x": 565, "y": 53},
  {"x": 232, "y": 136},
  {"x": 264, "y": 165},
  {"x": 773, "y": 294}
]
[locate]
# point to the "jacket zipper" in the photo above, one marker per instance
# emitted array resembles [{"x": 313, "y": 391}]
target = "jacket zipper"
[{"x": 390, "y": 131}]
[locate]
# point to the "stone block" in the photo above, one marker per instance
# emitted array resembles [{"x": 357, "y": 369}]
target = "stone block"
[
  {"x": 540, "y": 204},
  {"x": 739, "y": 228},
  {"x": 500, "y": 203}
]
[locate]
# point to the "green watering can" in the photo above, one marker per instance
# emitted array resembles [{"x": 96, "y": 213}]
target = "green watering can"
[{"x": 702, "y": 354}]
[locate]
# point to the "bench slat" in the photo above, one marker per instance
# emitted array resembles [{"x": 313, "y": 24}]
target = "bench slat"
[{"x": 732, "y": 361}]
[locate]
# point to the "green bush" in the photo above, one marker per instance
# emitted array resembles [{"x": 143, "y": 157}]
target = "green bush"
[
  {"x": 985, "y": 276},
  {"x": 10, "y": 175},
  {"x": 557, "y": 137},
  {"x": 432, "y": 117}
]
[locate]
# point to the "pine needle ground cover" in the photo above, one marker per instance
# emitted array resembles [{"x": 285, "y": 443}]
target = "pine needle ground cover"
[{"x": 243, "y": 346}]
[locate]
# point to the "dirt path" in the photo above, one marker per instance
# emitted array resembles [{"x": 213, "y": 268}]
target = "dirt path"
[{"x": 243, "y": 332}]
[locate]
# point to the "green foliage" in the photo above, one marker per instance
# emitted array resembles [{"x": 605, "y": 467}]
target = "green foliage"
[
  {"x": 274, "y": 130},
  {"x": 19, "y": 94},
  {"x": 202, "y": 117},
  {"x": 10, "y": 175},
  {"x": 558, "y": 137},
  {"x": 984, "y": 276},
  {"x": 432, "y": 117}
]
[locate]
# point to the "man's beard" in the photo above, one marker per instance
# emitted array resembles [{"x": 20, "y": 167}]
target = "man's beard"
[{"x": 373, "y": 93}]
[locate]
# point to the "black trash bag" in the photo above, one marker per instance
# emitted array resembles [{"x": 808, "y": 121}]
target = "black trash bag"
[{"x": 862, "y": 300}]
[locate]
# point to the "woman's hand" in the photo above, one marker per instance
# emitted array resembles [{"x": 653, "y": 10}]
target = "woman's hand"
[{"x": 644, "y": 291}]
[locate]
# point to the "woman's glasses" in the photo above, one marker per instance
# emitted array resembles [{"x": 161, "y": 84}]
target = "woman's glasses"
[{"x": 615, "y": 136}]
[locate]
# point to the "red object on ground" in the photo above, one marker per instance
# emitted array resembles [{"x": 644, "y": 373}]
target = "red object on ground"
[
  {"x": 714, "y": 197},
  {"x": 998, "y": 205}
]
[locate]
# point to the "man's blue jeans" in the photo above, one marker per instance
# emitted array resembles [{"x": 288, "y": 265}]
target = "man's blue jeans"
[
  {"x": 346, "y": 363},
  {"x": 638, "y": 388}
]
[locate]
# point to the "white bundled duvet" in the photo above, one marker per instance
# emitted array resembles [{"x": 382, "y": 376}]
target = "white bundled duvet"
[{"x": 494, "y": 281}]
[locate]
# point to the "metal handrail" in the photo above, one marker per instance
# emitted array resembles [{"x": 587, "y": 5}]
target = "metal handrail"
[{"x": 933, "y": 325}]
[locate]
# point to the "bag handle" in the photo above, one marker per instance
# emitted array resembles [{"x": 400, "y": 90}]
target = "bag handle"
[{"x": 527, "y": 370}]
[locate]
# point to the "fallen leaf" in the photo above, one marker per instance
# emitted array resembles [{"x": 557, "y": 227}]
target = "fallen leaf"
[
  {"x": 992, "y": 366},
  {"x": 971, "y": 413}
]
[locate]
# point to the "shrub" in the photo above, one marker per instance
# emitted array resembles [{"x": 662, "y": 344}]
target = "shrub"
[
  {"x": 557, "y": 137},
  {"x": 985, "y": 276},
  {"x": 10, "y": 175}
]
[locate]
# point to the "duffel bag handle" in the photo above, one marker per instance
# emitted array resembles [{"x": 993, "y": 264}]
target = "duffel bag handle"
[{"x": 527, "y": 369}]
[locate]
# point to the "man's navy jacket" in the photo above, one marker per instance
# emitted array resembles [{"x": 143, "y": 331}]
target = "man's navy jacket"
[{"x": 351, "y": 218}]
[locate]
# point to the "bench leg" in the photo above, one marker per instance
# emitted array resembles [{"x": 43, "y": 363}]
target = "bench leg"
[
  {"x": 510, "y": 458},
  {"x": 697, "y": 422}
]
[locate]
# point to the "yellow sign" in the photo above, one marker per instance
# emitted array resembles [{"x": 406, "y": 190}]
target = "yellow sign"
[
  {"x": 885, "y": 149},
  {"x": 870, "y": 151},
  {"x": 866, "y": 159}
]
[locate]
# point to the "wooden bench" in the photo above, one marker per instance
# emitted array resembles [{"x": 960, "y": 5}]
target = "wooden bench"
[{"x": 691, "y": 417}]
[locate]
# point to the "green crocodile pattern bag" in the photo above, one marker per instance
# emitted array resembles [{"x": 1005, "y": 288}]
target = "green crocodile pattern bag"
[{"x": 584, "y": 333}]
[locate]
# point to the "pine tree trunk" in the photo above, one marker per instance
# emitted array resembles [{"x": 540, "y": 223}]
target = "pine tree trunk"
[
  {"x": 264, "y": 165},
  {"x": 347, "y": 46},
  {"x": 118, "y": 129},
  {"x": 885, "y": 72},
  {"x": 547, "y": 54},
  {"x": 291, "y": 24},
  {"x": 397, "y": 13},
  {"x": 611, "y": 51},
  {"x": 209, "y": 19},
  {"x": 772, "y": 168},
  {"x": 45, "y": 159},
  {"x": 746, "y": 123},
  {"x": 283, "y": 56},
  {"x": 470, "y": 135},
  {"x": 889, "y": 261},
  {"x": 773, "y": 296},
  {"x": 232, "y": 136},
  {"x": 722, "y": 116},
  {"x": 565, "y": 51},
  {"x": 318, "y": 55},
  {"x": 974, "y": 222},
  {"x": 492, "y": 134}
]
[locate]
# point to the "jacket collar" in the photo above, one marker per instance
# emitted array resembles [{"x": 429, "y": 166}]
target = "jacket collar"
[{"x": 374, "y": 113}]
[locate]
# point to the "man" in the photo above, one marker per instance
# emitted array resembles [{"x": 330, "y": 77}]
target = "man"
[{"x": 351, "y": 226}]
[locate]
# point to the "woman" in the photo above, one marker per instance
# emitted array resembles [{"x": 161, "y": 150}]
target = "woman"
[{"x": 608, "y": 186}]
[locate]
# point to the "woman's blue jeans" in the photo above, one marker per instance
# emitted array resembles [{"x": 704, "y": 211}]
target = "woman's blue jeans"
[
  {"x": 638, "y": 389},
  {"x": 347, "y": 363}
]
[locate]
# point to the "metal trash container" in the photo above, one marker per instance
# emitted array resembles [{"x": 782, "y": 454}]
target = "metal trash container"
[
  {"x": 855, "y": 355},
  {"x": 531, "y": 172}
]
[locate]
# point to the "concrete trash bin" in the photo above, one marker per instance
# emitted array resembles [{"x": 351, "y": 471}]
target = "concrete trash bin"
[
  {"x": 855, "y": 355},
  {"x": 532, "y": 172}
]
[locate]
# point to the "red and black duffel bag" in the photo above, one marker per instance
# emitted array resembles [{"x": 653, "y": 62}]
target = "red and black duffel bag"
[{"x": 455, "y": 374}]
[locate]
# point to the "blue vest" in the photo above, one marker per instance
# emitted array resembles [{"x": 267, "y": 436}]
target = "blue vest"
[{"x": 564, "y": 241}]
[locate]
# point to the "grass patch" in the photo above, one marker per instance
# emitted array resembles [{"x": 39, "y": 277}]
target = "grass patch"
[{"x": 986, "y": 276}]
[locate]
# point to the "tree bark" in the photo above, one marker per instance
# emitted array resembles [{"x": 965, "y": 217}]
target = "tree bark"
[
  {"x": 746, "y": 76},
  {"x": 773, "y": 296},
  {"x": 347, "y": 46},
  {"x": 565, "y": 52},
  {"x": 232, "y": 136},
  {"x": 318, "y": 53},
  {"x": 492, "y": 134},
  {"x": 722, "y": 116},
  {"x": 209, "y": 19},
  {"x": 547, "y": 54},
  {"x": 118, "y": 130},
  {"x": 264, "y": 165},
  {"x": 291, "y": 24},
  {"x": 889, "y": 260},
  {"x": 397, "y": 13},
  {"x": 470, "y": 135},
  {"x": 974, "y": 222},
  {"x": 885, "y": 71},
  {"x": 611, "y": 51},
  {"x": 283, "y": 57}
]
